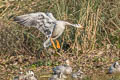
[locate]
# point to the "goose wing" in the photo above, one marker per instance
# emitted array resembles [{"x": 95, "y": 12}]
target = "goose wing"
[
  {"x": 51, "y": 16},
  {"x": 42, "y": 21}
]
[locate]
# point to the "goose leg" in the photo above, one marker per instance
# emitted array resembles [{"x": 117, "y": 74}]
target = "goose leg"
[
  {"x": 58, "y": 44},
  {"x": 53, "y": 43}
]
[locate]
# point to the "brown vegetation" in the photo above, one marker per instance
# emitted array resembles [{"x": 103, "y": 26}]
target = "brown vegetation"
[{"x": 93, "y": 48}]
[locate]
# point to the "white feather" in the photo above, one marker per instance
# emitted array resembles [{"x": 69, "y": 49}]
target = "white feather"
[{"x": 46, "y": 23}]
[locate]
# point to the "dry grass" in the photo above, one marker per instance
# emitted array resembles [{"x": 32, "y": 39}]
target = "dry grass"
[{"x": 101, "y": 21}]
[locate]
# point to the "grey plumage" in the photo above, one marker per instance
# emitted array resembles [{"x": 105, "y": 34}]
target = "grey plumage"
[
  {"x": 29, "y": 76},
  {"x": 115, "y": 67},
  {"x": 59, "y": 76},
  {"x": 38, "y": 20},
  {"x": 65, "y": 69},
  {"x": 46, "y": 23},
  {"x": 78, "y": 75},
  {"x": 62, "y": 69}
]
